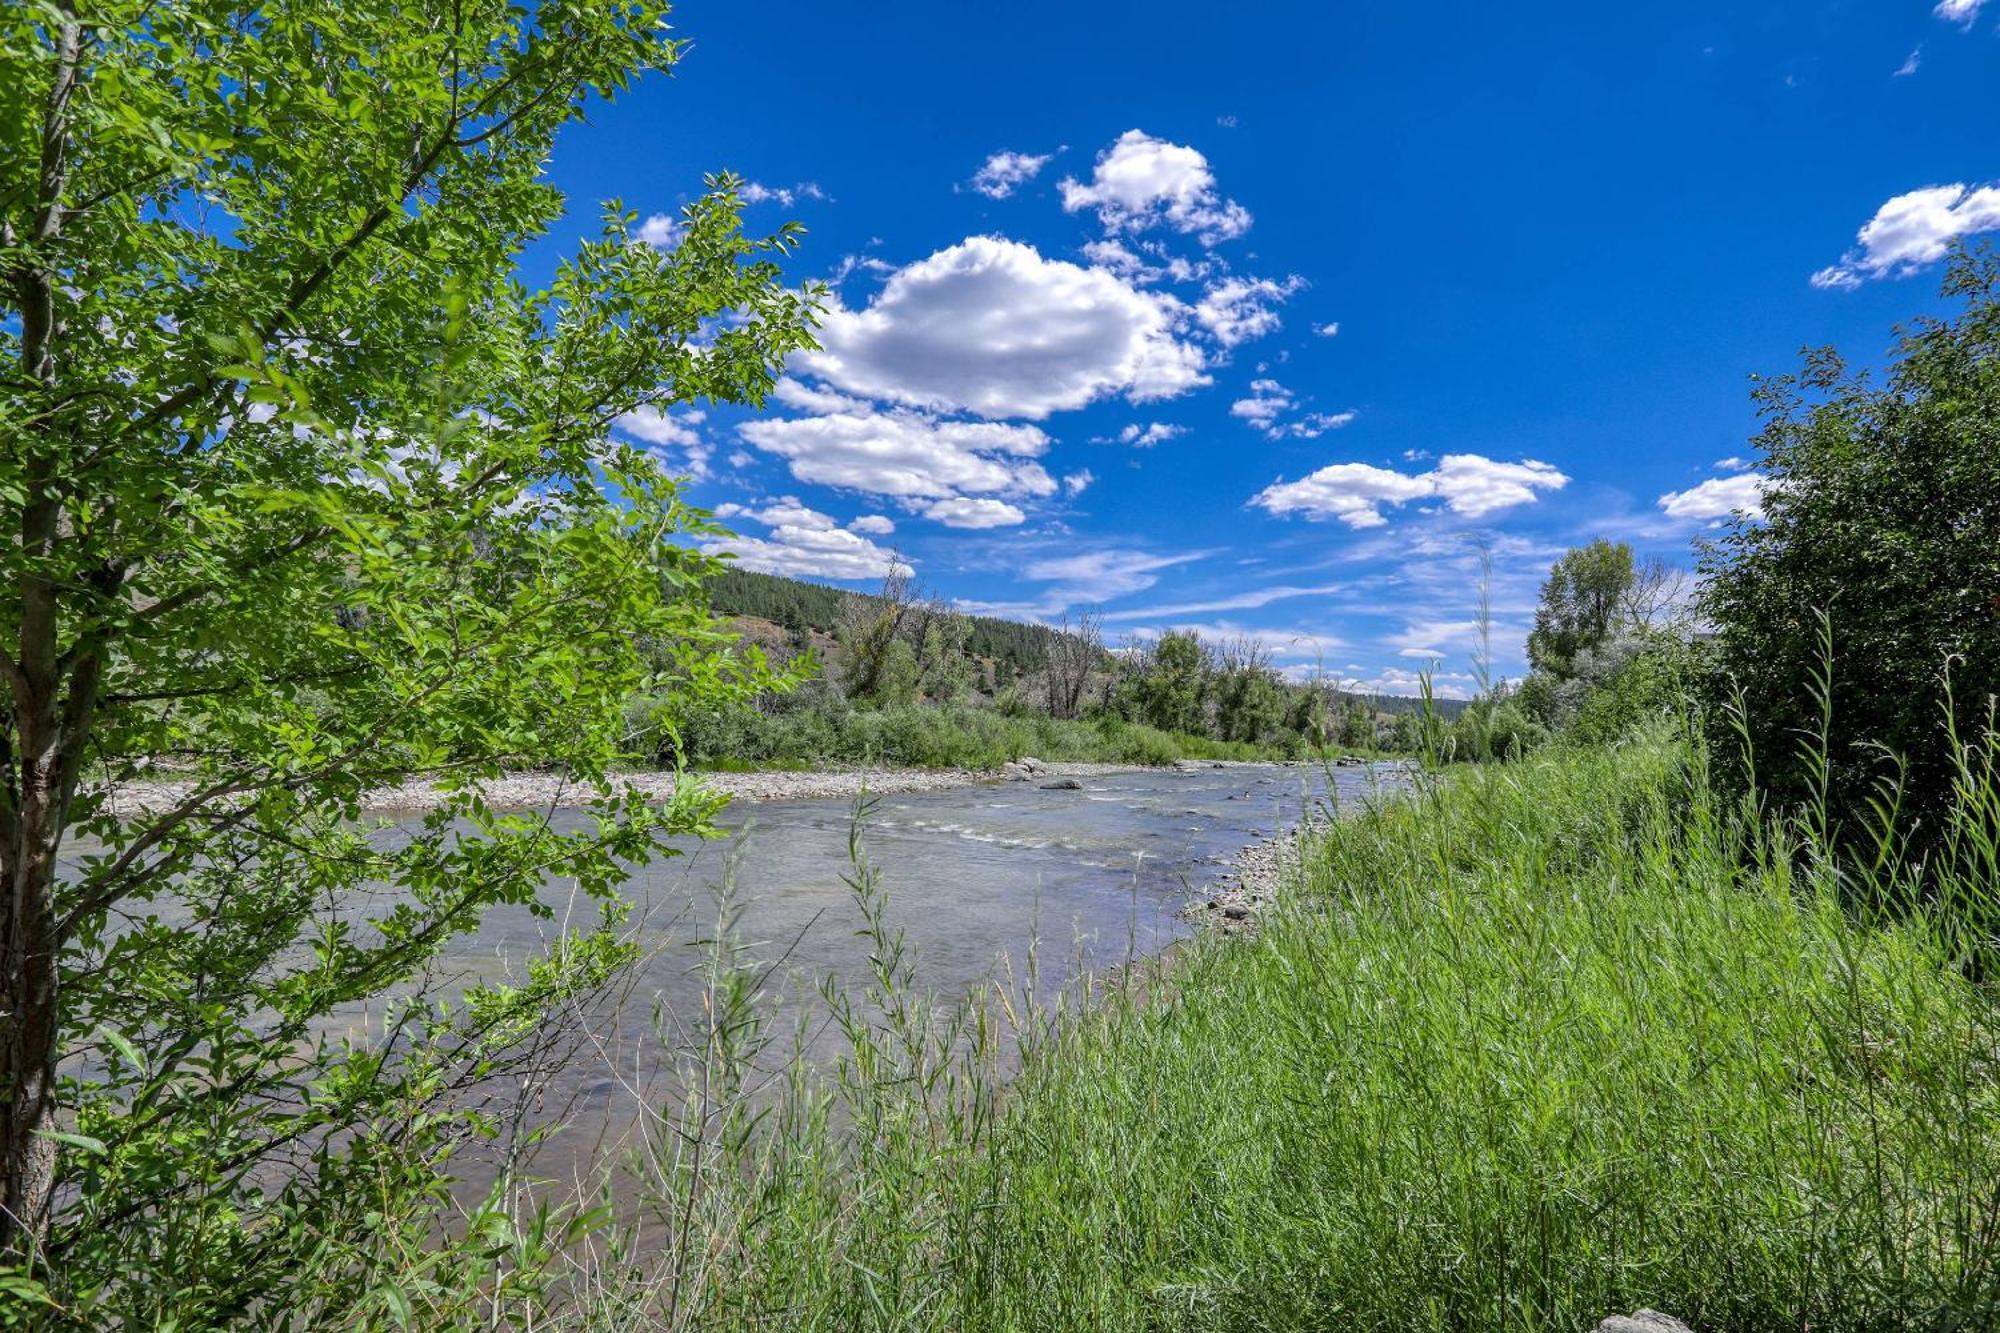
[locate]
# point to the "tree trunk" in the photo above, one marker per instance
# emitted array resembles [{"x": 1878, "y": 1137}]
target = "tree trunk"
[
  {"x": 28, "y": 948},
  {"x": 28, "y": 1054},
  {"x": 49, "y": 720}
]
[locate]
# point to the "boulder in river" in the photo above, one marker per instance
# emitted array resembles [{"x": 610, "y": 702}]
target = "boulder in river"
[
  {"x": 1063, "y": 784},
  {"x": 1643, "y": 1321}
]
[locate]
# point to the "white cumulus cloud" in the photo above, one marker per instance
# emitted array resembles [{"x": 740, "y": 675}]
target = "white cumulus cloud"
[
  {"x": 991, "y": 327},
  {"x": 876, "y": 525},
  {"x": 1718, "y": 497},
  {"x": 1913, "y": 230},
  {"x": 1965, "y": 12},
  {"x": 1236, "y": 310},
  {"x": 1268, "y": 401},
  {"x": 1355, "y": 493},
  {"x": 1150, "y": 434},
  {"x": 1267, "y": 409},
  {"x": 672, "y": 439},
  {"x": 962, "y": 511},
  {"x": 802, "y": 543},
  {"x": 907, "y": 454},
  {"x": 1006, "y": 172},
  {"x": 660, "y": 231},
  {"x": 656, "y": 427},
  {"x": 785, "y": 196},
  {"x": 1141, "y": 182}
]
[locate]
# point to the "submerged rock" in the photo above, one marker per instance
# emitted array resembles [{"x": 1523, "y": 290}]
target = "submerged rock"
[{"x": 1063, "y": 784}]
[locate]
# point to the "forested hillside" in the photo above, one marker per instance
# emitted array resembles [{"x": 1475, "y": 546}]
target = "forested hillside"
[{"x": 1013, "y": 648}]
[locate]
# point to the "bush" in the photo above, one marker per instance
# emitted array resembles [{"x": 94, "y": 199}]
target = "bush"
[
  {"x": 1880, "y": 515},
  {"x": 820, "y": 727}
]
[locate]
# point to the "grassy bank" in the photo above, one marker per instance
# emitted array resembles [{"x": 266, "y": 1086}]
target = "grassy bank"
[
  {"x": 833, "y": 732},
  {"x": 1557, "y": 1039}
]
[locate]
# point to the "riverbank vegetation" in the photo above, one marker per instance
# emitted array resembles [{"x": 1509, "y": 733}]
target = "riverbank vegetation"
[{"x": 898, "y": 677}]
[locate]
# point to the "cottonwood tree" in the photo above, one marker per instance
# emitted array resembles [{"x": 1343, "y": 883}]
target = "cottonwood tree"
[
  {"x": 1249, "y": 693},
  {"x": 1072, "y": 653},
  {"x": 1173, "y": 691},
  {"x": 1580, "y": 604},
  {"x": 876, "y": 659},
  {"x": 1657, "y": 596},
  {"x": 307, "y": 493}
]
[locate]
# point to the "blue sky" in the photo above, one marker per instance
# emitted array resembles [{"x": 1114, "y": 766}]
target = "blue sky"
[{"x": 1263, "y": 318}]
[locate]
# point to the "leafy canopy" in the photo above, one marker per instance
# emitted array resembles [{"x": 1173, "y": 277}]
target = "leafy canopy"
[
  {"x": 307, "y": 493},
  {"x": 1580, "y": 604}
]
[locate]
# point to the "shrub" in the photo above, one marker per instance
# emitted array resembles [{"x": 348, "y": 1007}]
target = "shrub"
[{"x": 1880, "y": 514}]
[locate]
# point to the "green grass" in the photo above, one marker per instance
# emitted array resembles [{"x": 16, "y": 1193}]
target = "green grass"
[{"x": 1551, "y": 1040}]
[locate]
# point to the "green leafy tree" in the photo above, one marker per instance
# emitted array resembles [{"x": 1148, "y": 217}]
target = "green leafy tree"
[
  {"x": 1249, "y": 694},
  {"x": 1307, "y": 714},
  {"x": 877, "y": 661},
  {"x": 1357, "y": 725},
  {"x": 1580, "y": 604},
  {"x": 944, "y": 669},
  {"x": 1173, "y": 690},
  {"x": 306, "y": 494},
  {"x": 1882, "y": 513},
  {"x": 1406, "y": 733}
]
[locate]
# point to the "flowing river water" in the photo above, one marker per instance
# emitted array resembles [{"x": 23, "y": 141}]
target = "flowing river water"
[{"x": 975, "y": 878}]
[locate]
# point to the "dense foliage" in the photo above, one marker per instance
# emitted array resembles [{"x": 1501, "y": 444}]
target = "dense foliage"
[
  {"x": 296, "y": 508},
  {"x": 1873, "y": 576},
  {"x": 820, "y": 727},
  {"x": 1580, "y": 604},
  {"x": 897, "y": 648}
]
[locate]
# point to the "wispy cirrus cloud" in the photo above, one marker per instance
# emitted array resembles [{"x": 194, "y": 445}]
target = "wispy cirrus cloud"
[
  {"x": 1245, "y": 601},
  {"x": 1965, "y": 13}
]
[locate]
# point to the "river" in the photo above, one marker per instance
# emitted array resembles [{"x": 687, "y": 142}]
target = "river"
[{"x": 975, "y": 877}]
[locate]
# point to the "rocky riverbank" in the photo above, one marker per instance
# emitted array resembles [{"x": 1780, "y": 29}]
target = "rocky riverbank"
[
  {"x": 1255, "y": 876},
  {"x": 537, "y": 791}
]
